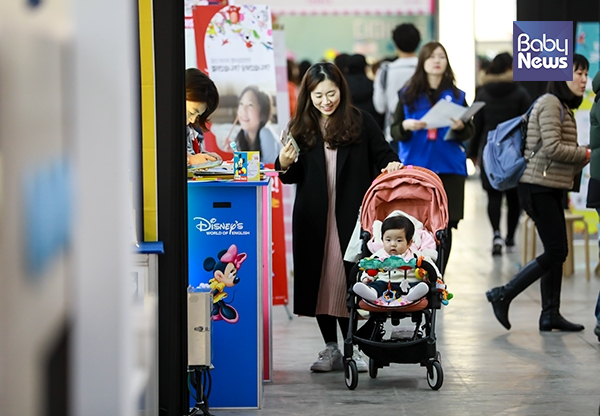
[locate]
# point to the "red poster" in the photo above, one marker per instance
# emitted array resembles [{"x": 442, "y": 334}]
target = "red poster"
[{"x": 280, "y": 284}]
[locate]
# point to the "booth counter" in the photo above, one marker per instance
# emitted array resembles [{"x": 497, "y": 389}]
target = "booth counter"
[{"x": 229, "y": 236}]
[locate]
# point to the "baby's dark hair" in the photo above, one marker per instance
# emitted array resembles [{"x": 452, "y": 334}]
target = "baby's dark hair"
[{"x": 399, "y": 222}]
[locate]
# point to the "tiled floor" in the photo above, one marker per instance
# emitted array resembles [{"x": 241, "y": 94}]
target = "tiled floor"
[{"x": 487, "y": 370}]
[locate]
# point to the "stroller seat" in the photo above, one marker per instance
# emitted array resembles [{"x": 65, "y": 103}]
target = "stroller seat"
[
  {"x": 412, "y": 307},
  {"x": 417, "y": 193}
]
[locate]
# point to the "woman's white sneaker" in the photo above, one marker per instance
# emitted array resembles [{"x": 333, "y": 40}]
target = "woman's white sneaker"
[
  {"x": 361, "y": 364},
  {"x": 329, "y": 359}
]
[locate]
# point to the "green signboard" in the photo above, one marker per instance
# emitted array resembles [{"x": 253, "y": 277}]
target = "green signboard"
[{"x": 315, "y": 37}]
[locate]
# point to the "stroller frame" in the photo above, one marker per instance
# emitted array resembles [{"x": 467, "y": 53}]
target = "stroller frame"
[
  {"x": 413, "y": 190},
  {"x": 420, "y": 349}
]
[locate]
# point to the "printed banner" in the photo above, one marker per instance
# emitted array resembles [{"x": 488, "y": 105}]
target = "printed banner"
[
  {"x": 588, "y": 45},
  {"x": 234, "y": 46},
  {"x": 224, "y": 259}
]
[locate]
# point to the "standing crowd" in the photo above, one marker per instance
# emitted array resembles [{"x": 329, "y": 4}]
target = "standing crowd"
[{"x": 350, "y": 128}]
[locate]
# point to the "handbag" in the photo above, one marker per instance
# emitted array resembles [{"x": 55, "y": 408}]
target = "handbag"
[{"x": 577, "y": 182}]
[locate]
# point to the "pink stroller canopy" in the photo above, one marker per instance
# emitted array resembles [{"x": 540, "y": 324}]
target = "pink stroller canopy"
[{"x": 414, "y": 190}]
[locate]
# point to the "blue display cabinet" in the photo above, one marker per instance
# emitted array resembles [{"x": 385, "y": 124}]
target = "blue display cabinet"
[{"x": 228, "y": 233}]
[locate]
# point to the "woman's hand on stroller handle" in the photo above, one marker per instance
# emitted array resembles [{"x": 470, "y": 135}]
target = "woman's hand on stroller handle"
[{"x": 392, "y": 167}]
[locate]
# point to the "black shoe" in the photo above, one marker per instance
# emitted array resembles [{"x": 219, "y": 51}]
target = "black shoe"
[
  {"x": 497, "y": 246},
  {"x": 500, "y": 305},
  {"x": 500, "y": 297},
  {"x": 597, "y": 331},
  {"x": 554, "y": 320}
]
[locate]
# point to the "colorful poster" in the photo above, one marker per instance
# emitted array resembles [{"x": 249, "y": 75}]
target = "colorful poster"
[
  {"x": 587, "y": 44},
  {"x": 234, "y": 46},
  {"x": 224, "y": 258},
  {"x": 280, "y": 282}
]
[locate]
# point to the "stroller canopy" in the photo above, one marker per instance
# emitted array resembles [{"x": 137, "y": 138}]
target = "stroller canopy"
[{"x": 414, "y": 190}]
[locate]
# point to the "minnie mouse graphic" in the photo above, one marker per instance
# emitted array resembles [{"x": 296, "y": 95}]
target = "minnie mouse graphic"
[{"x": 224, "y": 275}]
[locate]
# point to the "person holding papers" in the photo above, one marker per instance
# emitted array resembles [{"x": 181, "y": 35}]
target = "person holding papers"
[{"x": 439, "y": 149}]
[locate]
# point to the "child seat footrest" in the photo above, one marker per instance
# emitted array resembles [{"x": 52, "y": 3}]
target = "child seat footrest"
[{"x": 413, "y": 307}]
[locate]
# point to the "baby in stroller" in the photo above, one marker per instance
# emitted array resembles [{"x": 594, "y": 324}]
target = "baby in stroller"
[
  {"x": 387, "y": 287},
  {"x": 401, "y": 280}
]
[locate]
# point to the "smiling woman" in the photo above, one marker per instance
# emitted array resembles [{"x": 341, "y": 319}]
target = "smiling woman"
[
  {"x": 326, "y": 98},
  {"x": 342, "y": 149},
  {"x": 254, "y": 114}
]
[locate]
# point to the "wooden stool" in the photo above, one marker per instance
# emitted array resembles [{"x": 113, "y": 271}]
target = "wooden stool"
[{"x": 569, "y": 264}]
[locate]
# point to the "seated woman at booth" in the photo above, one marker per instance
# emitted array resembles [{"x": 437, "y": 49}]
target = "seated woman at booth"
[
  {"x": 253, "y": 114},
  {"x": 201, "y": 100}
]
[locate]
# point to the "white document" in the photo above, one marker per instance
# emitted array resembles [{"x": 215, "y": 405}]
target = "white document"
[
  {"x": 441, "y": 114},
  {"x": 471, "y": 111}
]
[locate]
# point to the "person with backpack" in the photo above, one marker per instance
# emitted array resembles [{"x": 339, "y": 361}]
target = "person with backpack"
[
  {"x": 391, "y": 77},
  {"x": 440, "y": 150},
  {"x": 504, "y": 100},
  {"x": 548, "y": 174}
]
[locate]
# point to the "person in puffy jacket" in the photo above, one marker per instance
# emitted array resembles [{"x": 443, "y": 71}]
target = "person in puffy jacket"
[
  {"x": 504, "y": 100},
  {"x": 549, "y": 173}
]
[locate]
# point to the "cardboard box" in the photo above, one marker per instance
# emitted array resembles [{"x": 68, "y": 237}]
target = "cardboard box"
[{"x": 246, "y": 166}]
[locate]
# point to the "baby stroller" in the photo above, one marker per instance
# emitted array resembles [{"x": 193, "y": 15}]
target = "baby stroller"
[{"x": 419, "y": 193}]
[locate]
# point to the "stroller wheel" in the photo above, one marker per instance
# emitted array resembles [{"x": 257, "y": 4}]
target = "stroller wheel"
[
  {"x": 351, "y": 375},
  {"x": 372, "y": 368},
  {"x": 435, "y": 375}
]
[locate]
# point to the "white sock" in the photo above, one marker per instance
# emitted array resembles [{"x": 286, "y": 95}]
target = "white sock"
[
  {"x": 417, "y": 292},
  {"x": 365, "y": 292}
]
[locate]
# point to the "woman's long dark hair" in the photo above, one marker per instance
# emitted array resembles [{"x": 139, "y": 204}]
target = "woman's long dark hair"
[
  {"x": 562, "y": 90},
  {"x": 418, "y": 84},
  {"x": 199, "y": 88},
  {"x": 343, "y": 126},
  {"x": 264, "y": 104}
]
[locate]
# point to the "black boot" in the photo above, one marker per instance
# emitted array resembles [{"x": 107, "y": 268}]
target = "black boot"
[
  {"x": 500, "y": 297},
  {"x": 551, "y": 318}
]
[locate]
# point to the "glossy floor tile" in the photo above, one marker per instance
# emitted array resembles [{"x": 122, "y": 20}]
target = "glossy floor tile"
[{"x": 487, "y": 370}]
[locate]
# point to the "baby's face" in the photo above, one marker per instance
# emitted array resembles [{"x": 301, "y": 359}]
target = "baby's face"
[{"x": 394, "y": 242}]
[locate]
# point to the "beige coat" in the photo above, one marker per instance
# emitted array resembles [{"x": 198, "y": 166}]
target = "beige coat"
[{"x": 560, "y": 158}]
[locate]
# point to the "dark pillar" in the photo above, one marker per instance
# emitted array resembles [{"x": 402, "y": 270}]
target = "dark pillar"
[{"x": 169, "y": 77}]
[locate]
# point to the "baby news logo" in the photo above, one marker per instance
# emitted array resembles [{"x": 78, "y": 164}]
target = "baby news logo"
[{"x": 543, "y": 51}]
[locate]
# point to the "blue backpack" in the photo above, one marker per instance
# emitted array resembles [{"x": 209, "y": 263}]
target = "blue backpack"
[{"x": 503, "y": 159}]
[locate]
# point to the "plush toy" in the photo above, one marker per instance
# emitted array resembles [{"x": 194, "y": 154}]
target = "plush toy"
[
  {"x": 443, "y": 289},
  {"x": 374, "y": 266},
  {"x": 395, "y": 262},
  {"x": 371, "y": 266}
]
